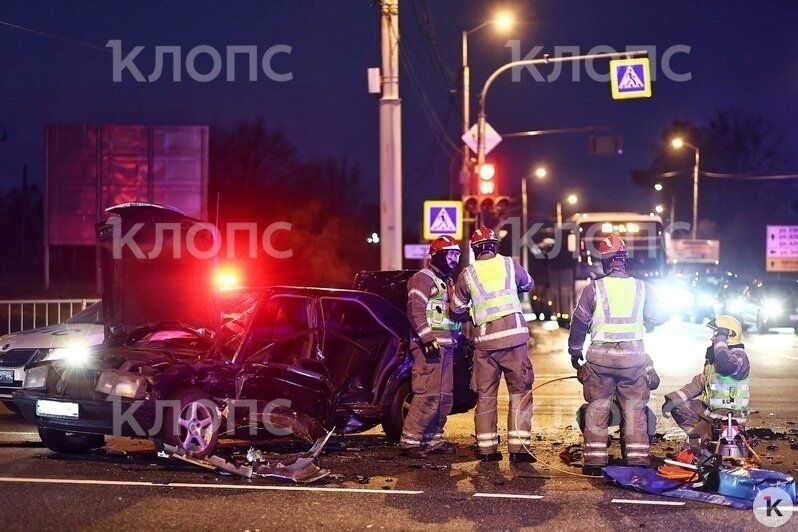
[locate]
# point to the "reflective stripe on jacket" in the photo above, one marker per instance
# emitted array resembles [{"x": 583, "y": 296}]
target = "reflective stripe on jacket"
[
  {"x": 494, "y": 293},
  {"x": 724, "y": 392},
  {"x": 438, "y": 311},
  {"x": 618, "y": 313}
]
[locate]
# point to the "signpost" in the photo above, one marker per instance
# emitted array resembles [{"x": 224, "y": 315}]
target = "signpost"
[
  {"x": 694, "y": 251},
  {"x": 416, "y": 251},
  {"x": 782, "y": 248},
  {"x": 630, "y": 78},
  {"x": 442, "y": 217},
  {"x": 492, "y": 138}
]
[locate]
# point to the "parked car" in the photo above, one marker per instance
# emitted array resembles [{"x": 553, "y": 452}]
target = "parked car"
[
  {"x": 186, "y": 366},
  {"x": 19, "y": 349},
  {"x": 770, "y": 304}
]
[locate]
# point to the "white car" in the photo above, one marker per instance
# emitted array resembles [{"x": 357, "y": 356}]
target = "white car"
[{"x": 19, "y": 349}]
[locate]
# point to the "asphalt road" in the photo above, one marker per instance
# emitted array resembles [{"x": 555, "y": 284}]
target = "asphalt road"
[{"x": 128, "y": 486}]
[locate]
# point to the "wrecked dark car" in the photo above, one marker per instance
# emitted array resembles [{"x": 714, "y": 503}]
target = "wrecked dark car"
[{"x": 187, "y": 366}]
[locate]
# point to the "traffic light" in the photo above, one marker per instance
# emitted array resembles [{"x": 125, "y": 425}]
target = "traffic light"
[
  {"x": 471, "y": 204},
  {"x": 502, "y": 205},
  {"x": 487, "y": 182}
]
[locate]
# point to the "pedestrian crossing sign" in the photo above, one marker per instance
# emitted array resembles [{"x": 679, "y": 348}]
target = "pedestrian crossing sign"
[
  {"x": 630, "y": 78},
  {"x": 443, "y": 218}
]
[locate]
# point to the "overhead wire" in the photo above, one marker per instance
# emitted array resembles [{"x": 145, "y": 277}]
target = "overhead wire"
[
  {"x": 439, "y": 131},
  {"x": 54, "y": 36}
]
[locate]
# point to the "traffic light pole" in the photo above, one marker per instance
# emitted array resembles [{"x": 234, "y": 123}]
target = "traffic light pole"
[{"x": 481, "y": 119}]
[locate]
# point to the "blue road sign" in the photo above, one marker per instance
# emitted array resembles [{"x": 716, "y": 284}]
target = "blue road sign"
[
  {"x": 630, "y": 78},
  {"x": 443, "y": 218}
]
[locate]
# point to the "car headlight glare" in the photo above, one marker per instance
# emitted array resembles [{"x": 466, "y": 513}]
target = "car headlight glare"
[
  {"x": 773, "y": 308},
  {"x": 736, "y": 304},
  {"x": 35, "y": 378},
  {"x": 75, "y": 355},
  {"x": 113, "y": 382}
]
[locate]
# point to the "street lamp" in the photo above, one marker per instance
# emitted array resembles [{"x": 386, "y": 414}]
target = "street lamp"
[
  {"x": 540, "y": 172},
  {"x": 678, "y": 143},
  {"x": 503, "y": 22},
  {"x": 659, "y": 209},
  {"x": 658, "y": 187},
  {"x": 571, "y": 200}
]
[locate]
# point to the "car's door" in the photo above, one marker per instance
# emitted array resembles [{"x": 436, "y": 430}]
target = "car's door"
[
  {"x": 281, "y": 376},
  {"x": 354, "y": 346}
]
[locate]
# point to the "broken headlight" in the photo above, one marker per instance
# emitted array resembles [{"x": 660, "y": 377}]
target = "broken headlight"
[
  {"x": 35, "y": 378},
  {"x": 123, "y": 384}
]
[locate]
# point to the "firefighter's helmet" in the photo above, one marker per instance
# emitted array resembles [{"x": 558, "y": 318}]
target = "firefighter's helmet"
[
  {"x": 483, "y": 235},
  {"x": 724, "y": 321},
  {"x": 612, "y": 247},
  {"x": 443, "y": 243}
]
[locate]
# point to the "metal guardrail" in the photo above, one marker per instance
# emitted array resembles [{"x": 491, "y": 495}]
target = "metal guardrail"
[{"x": 22, "y": 314}]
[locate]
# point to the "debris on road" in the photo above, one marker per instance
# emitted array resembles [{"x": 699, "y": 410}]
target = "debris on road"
[{"x": 301, "y": 468}]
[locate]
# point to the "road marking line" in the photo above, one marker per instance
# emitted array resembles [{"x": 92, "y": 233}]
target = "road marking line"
[
  {"x": 508, "y": 496},
  {"x": 657, "y": 503},
  {"x": 202, "y": 486}
]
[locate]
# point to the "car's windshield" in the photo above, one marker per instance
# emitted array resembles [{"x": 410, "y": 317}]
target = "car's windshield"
[
  {"x": 238, "y": 309},
  {"x": 93, "y": 314}
]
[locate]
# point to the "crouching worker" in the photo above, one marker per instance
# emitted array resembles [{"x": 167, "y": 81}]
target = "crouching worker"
[
  {"x": 721, "y": 388},
  {"x": 433, "y": 352},
  {"x": 616, "y": 420}
]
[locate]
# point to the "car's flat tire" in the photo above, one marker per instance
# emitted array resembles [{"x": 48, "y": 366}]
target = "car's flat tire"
[
  {"x": 70, "y": 442},
  {"x": 394, "y": 419},
  {"x": 194, "y": 425}
]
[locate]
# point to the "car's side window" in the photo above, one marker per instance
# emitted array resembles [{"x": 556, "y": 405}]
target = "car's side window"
[
  {"x": 279, "y": 318},
  {"x": 353, "y": 339}
]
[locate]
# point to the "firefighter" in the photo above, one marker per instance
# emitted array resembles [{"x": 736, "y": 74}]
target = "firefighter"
[
  {"x": 491, "y": 284},
  {"x": 722, "y": 387},
  {"x": 615, "y": 310},
  {"x": 653, "y": 380},
  {"x": 433, "y": 352}
]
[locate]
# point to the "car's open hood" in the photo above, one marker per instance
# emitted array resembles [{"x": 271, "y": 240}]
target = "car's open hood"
[{"x": 155, "y": 266}]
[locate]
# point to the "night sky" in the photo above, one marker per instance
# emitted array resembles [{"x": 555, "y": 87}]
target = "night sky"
[{"x": 743, "y": 54}]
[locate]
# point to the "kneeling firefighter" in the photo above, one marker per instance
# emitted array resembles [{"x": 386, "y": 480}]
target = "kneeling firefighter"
[
  {"x": 721, "y": 388},
  {"x": 433, "y": 352}
]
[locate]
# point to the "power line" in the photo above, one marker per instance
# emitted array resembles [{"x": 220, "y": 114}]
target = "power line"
[
  {"x": 54, "y": 36},
  {"x": 437, "y": 128}
]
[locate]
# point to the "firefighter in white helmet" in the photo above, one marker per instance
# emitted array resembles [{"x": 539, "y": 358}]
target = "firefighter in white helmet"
[
  {"x": 491, "y": 284},
  {"x": 615, "y": 309},
  {"x": 433, "y": 352}
]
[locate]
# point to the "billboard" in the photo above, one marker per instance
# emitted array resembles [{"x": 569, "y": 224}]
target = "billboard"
[{"x": 92, "y": 167}]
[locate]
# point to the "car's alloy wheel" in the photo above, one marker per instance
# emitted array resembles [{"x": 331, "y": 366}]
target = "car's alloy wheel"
[{"x": 195, "y": 428}]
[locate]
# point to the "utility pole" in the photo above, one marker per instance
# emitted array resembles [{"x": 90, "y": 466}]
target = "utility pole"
[{"x": 390, "y": 141}]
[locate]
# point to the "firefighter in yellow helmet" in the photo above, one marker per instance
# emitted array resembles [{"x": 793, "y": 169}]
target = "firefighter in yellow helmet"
[
  {"x": 491, "y": 284},
  {"x": 615, "y": 310},
  {"x": 433, "y": 352},
  {"x": 722, "y": 387}
]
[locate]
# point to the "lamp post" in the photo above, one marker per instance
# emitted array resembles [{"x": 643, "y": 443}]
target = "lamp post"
[
  {"x": 678, "y": 143},
  {"x": 539, "y": 173},
  {"x": 503, "y": 22},
  {"x": 571, "y": 200},
  {"x": 482, "y": 117}
]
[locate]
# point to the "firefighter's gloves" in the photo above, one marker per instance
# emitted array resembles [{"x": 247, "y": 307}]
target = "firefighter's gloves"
[
  {"x": 667, "y": 406},
  {"x": 722, "y": 332},
  {"x": 432, "y": 350},
  {"x": 576, "y": 358}
]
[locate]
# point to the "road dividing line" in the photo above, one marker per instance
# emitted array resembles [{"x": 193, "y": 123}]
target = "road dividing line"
[
  {"x": 202, "y": 486},
  {"x": 508, "y": 496},
  {"x": 655, "y": 503}
]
